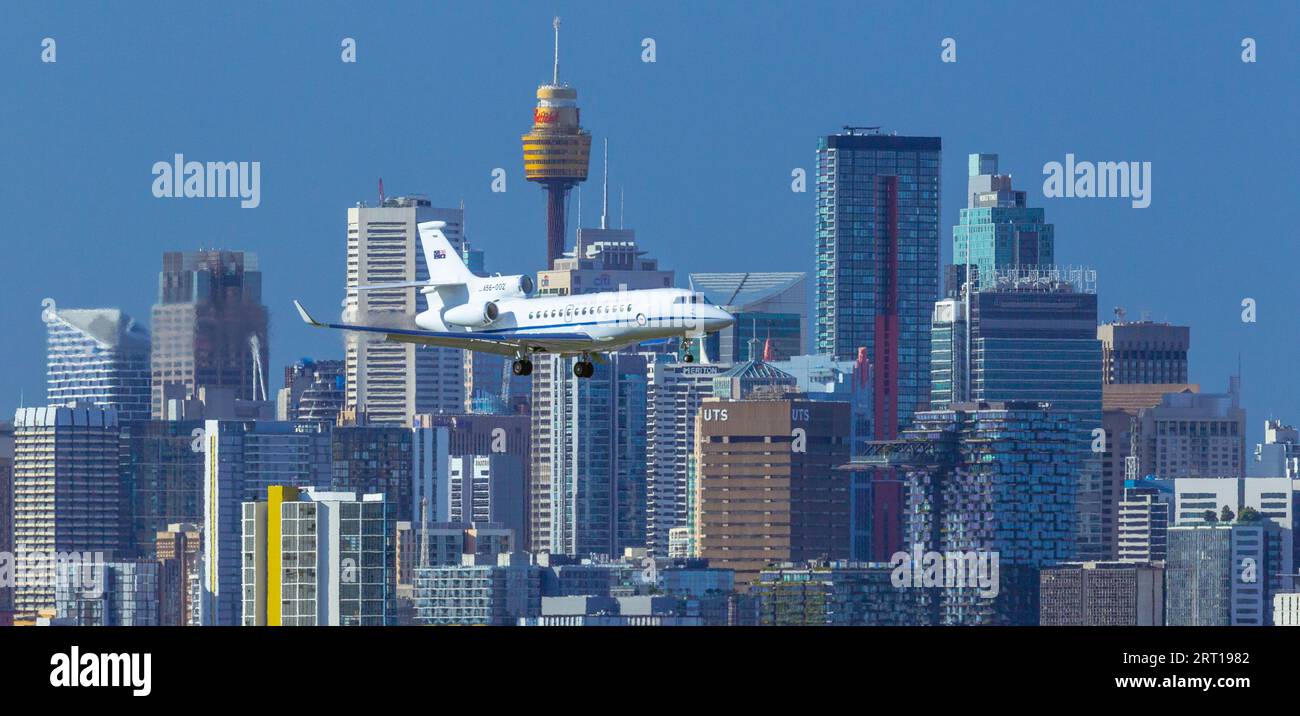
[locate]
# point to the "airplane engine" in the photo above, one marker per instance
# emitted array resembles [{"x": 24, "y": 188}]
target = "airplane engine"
[{"x": 471, "y": 315}]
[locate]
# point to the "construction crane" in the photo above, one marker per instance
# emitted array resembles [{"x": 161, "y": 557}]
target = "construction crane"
[{"x": 259, "y": 378}]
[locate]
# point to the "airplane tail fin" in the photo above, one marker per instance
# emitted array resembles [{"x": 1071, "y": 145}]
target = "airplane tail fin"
[{"x": 444, "y": 262}]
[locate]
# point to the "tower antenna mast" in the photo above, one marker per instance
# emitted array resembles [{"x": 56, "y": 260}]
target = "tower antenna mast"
[{"x": 555, "y": 75}]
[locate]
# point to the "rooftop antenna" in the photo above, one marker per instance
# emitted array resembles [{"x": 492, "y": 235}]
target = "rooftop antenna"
[
  {"x": 381, "y": 191},
  {"x": 620, "y": 207},
  {"x": 604, "y": 190},
  {"x": 555, "y": 76}
]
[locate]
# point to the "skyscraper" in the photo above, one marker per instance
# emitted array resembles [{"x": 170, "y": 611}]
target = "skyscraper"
[
  {"x": 392, "y": 382},
  {"x": 66, "y": 495},
  {"x": 1031, "y": 337},
  {"x": 878, "y": 262},
  {"x": 996, "y": 229},
  {"x": 101, "y": 356},
  {"x": 1144, "y": 351},
  {"x": 994, "y": 478},
  {"x": 589, "y": 457},
  {"x": 209, "y": 327},
  {"x": 674, "y": 392}
]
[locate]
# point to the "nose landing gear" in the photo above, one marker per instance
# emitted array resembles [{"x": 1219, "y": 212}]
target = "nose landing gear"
[{"x": 523, "y": 366}]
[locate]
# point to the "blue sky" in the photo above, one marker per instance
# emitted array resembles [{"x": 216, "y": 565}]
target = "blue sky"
[{"x": 702, "y": 142}]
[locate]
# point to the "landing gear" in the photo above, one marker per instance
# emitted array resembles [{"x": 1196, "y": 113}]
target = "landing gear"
[
  {"x": 688, "y": 358},
  {"x": 523, "y": 366},
  {"x": 584, "y": 369}
]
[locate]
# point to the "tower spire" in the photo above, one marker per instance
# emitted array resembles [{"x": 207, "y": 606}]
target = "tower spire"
[
  {"x": 604, "y": 191},
  {"x": 555, "y": 74}
]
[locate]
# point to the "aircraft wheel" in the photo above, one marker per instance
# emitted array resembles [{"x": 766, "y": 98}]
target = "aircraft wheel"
[{"x": 522, "y": 367}]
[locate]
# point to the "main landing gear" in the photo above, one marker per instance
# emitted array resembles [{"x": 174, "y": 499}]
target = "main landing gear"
[
  {"x": 523, "y": 366},
  {"x": 584, "y": 368}
]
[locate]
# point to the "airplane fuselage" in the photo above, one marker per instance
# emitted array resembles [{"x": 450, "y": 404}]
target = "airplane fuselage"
[{"x": 613, "y": 319}]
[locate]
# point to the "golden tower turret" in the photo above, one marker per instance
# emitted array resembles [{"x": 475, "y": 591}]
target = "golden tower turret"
[{"x": 556, "y": 151}]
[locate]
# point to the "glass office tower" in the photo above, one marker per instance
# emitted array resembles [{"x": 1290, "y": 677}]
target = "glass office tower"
[{"x": 878, "y": 262}]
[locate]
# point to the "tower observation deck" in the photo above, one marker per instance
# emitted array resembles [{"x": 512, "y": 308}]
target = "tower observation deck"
[{"x": 556, "y": 151}]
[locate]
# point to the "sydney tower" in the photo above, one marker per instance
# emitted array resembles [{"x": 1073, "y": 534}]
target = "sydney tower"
[{"x": 556, "y": 151}]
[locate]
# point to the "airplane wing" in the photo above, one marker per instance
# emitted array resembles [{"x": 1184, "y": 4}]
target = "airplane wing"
[{"x": 507, "y": 343}]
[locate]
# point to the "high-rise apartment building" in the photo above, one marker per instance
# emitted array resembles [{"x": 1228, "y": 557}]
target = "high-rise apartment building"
[
  {"x": 314, "y": 558},
  {"x": 66, "y": 495},
  {"x": 241, "y": 460},
  {"x": 994, "y": 479},
  {"x": 767, "y": 487},
  {"x": 674, "y": 392},
  {"x": 878, "y": 262},
  {"x": 392, "y": 382},
  {"x": 1194, "y": 435},
  {"x": 6, "y": 511},
  {"x": 99, "y": 356},
  {"x": 1144, "y": 352},
  {"x": 997, "y": 229},
  {"x": 209, "y": 327},
  {"x": 589, "y": 456}
]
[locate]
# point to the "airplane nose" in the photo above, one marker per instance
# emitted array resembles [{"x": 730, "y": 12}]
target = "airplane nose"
[{"x": 719, "y": 320}]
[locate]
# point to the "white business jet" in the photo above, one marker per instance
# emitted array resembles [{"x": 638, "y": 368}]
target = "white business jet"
[{"x": 494, "y": 314}]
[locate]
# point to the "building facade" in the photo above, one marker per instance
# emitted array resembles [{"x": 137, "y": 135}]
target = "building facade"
[
  {"x": 878, "y": 262},
  {"x": 768, "y": 490},
  {"x": 209, "y": 327},
  {"x": 98, "y": 356},
  {"x": 392, "y": 382},
  {"x": 1102, "y": 594},
  {"x": 67, "y": 499}
]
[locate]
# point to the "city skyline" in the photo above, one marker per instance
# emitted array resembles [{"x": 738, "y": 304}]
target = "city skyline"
[{"x": 317, "y": 160}]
